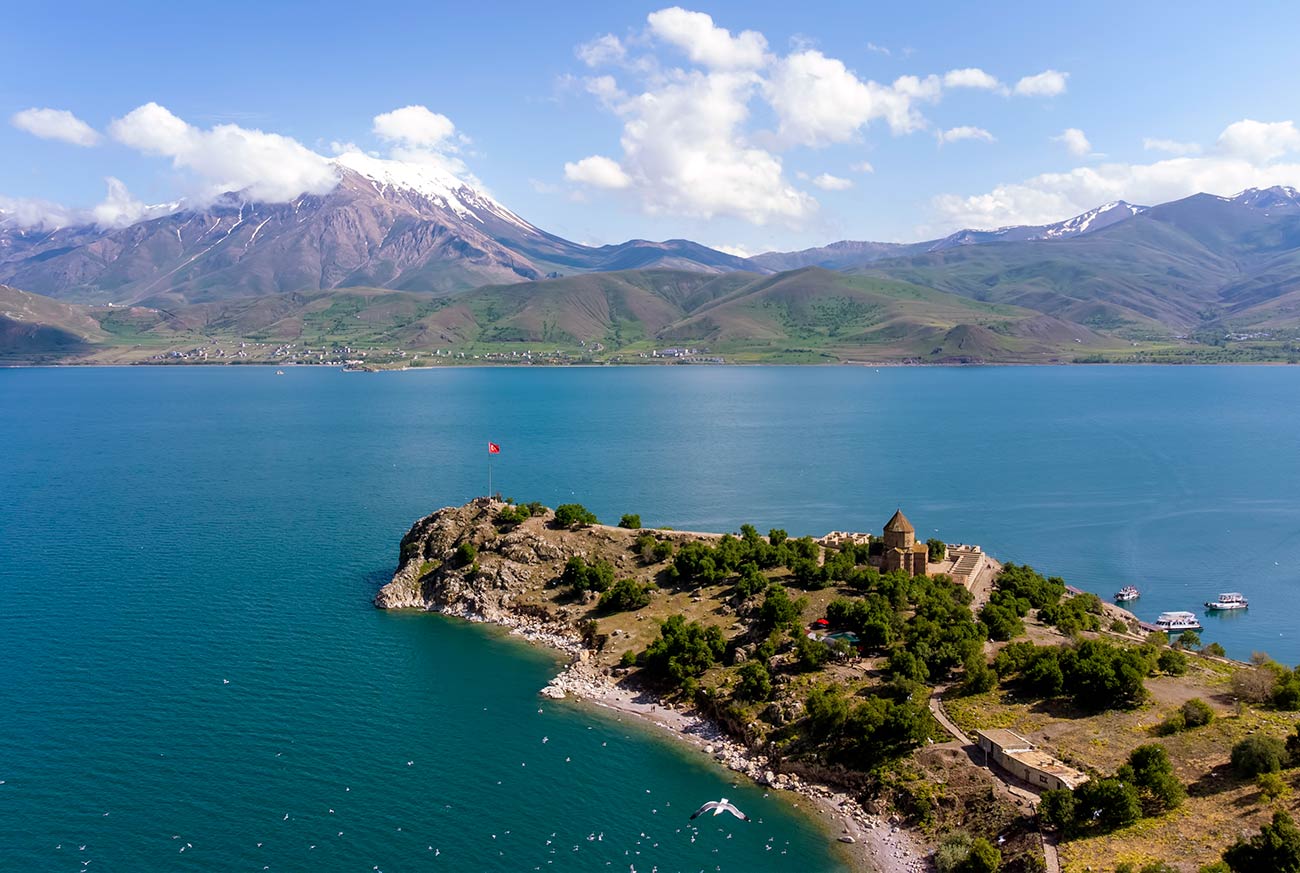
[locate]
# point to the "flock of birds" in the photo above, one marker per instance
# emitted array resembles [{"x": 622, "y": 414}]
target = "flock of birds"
[{"x": 274, "y": 843}]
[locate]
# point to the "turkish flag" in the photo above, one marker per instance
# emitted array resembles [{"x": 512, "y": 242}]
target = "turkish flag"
[{"x": 494, "y": 449}]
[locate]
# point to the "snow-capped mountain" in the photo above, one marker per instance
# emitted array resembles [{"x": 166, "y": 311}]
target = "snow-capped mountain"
[
  {"x": 386, "y": 224},
  {"x": 1087, "y": 222},
  {"x": 1277, "y": 198}
]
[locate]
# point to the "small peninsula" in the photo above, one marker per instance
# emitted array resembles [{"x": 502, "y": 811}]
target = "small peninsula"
[{"x": 942, "y": 710}]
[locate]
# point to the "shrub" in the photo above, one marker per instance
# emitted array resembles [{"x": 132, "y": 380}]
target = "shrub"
[
  {"x": 1001, "y": 622},
  {"x": 1275, "y": 847},
  {"x": 1025, "y": 582},
  {"x": 1119, "y": 626},
  {"x": 625, "y": 595},
  {"x": 513, "y": 515},
  {"x": 1258, "y": 753},
  {"x": 574, "y": 515},
  {"x": 630, "y": 521},
  {"x": 579, "y": 576},
  {"x": 1057, "y": 809},
  {"x": 979, "y": 676},
  {"x": 755, "y": 681},
  {"x": 1197, "y": 713},
  {"x": 751, "y": 581},
  {"x": 1172, "y": 663},
  {"x": 1214, "y": 649},
  {"x": 628, "y": 659},
  {"x": 1148, "y": 768},
  {"x": 465, "y": 554},
  {"x": 1189, "y": 640},
  {"x": 1255, "y": 684},
  {"x": 663, "y": 550},
  {"x": 1272, "y": 785}
]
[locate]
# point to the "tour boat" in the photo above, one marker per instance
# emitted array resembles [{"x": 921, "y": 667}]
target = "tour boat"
[
  {"x": 279, "y": 372},
  {"x": 1175, "y": 622},
  {"x": 1127, "y": 593},
  {"x": 1232, "y": 600}
]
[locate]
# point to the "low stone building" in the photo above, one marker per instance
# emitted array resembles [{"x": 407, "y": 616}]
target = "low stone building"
[
  {"x": 1022, "y": 759},
  {"x": 902, "y": 551}
]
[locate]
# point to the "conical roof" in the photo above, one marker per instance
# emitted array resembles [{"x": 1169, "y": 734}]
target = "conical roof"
[{"x": 899, "y": 524}]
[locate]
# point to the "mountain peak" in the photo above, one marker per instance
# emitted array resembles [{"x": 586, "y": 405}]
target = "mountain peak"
[{"x": 1274, "y": 197}]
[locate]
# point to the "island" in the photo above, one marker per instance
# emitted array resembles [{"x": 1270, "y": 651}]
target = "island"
[{"x": 943, "y": 710}]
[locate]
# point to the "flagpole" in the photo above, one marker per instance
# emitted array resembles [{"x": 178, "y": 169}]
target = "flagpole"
[{"x": 489, "y": 494}]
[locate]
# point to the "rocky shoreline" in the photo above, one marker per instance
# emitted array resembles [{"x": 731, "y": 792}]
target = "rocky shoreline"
[{"x": 878, "y": 844}]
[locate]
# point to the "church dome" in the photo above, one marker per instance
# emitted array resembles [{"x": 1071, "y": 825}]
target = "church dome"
[{"x": 899, "y": 524}]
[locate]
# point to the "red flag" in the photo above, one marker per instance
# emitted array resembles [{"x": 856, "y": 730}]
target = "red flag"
[{"x": 494, "y": 449}]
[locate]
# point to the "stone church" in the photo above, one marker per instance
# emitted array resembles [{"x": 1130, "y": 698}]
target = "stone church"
[{"x": 902, "y": 551}]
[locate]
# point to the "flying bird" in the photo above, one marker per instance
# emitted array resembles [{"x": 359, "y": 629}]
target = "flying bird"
[{"x": 718, "y": 807}]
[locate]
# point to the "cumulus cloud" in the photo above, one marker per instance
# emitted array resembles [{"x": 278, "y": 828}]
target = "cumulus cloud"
[
  {"x": 1259, "y": 140},
  {"x": 1171, "y": 146},
  {"x": 819, "y": 100},
  {"x": 57, "y": 124},
  {"x": 227, "y": 157},
  {"x": 415, "y": 127},
  {"x": 1075, "y": 141},
  {"x": 707, "y": 44},
  {"x": 827, "y": 182},
  {"x": 1048, "y": 83},
  {"x": 737, "y": 250},
  {"x": 956, "y": 134},
  {"x": 971, "y": 77},
  {"x": 597, "y": 171},
  {"x": 1247, "y": 156}
]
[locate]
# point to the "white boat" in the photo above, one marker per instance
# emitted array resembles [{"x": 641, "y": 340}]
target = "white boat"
[
  {"x": 1231, "y": 600},
  {"x": 279, "y": 372},
  {"x": 1127, "y": 593},
  {"x": 1175, "y": 622}
]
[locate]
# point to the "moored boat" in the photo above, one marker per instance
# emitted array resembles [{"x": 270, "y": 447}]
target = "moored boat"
[
  {"x": 1231, "y": 600},
  {"x": 1176, "y": 622},
  {"x": 1127, "y": 593}
]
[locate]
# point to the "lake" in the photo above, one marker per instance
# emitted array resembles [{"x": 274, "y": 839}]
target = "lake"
[{"x": 187, "y": 557}]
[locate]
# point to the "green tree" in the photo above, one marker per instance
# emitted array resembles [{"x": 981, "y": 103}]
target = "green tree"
[
  {"x": 1172, "y": 663},
  {"x": 1272, "y": 785},
  {"x": 630, "y": 521},
  {"x": 1057, "y": 809},
  {"x": 1214, "y": 649},
  {"x": 983, "y": 858},
  {"x": 465, "y": 554},
  {"x": 755, "y": 682},
  {"x": 1275, "y": 848},
  {"x": 579, "y": 576},
  {"x": 1190, "y": 640},
  {"x": 574, "y": 515},
  {"x": 810, "y": 654},
  {"x": 938, "y": 550},
  {"x": 776, "y": 536},
  {"x": 979, "y": 676},
  {"x": 684, "y": 650},
  {"x": 1197, "y": 713},
  {"x": 779, "y": 610},
  {"x": 1107, "y": 804},
  {"x": 626, "y": 595},
  {"x": 1149, "y": 769},
  {"x": 1259, "y": 753}
]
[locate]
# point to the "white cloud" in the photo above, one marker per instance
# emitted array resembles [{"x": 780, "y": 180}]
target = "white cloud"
[
  {"x": 118, "y": 209},
  {"x": 1247, "y": 158},
  {"x": 1171, "y": 146},
  {"x": 971, "y": 77},
  {"x": 1048, "y": 83},
  {"x": 686, "y": 152},
  {"x": 602, "y": 50},
  {"x": 827, "y": 182},
  {"x": 597, "y": 171},
  {"x": 57, "y": 124},
  {"x": 1075, "y": 140},
  {"x": 956, "y": 134},
  {"x": 707, "y": 44},
  {"x": 1259, "y": 140},
  {"x": 862, "y": 167},
  {"x": 819, "y": 100},
  {"x": 415, "y": 127},
  {"x": 228, "y": 157},
  {"x": 737, "y": 250},
  {"x": 878, "y": 49}
]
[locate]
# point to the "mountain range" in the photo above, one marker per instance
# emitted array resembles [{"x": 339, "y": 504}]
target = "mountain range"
[{"x": 409, "y": 256}]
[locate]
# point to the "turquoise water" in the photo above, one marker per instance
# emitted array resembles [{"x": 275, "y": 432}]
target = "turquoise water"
[{"x": 163, "y": 530}]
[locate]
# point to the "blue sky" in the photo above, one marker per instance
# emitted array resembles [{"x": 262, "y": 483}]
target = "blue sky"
[{"x": 742, "y": 126}]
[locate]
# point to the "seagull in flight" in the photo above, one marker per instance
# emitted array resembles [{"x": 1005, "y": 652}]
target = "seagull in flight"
[{"x": 718, "y": 807}]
